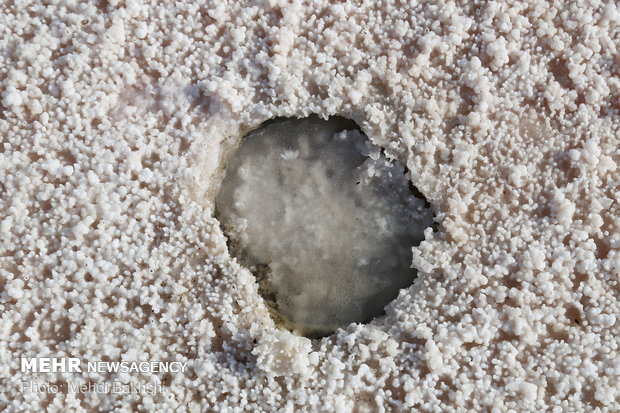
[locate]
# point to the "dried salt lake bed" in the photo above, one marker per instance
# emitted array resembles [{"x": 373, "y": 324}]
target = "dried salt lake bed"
[{"x": 116, "y": 118}]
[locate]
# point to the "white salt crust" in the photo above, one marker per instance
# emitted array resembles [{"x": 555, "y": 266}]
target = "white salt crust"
[{"x": 113, "y": 117}]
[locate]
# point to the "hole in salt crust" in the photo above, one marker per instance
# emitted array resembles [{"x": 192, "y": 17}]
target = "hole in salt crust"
[{"x": 323, "y": 220}]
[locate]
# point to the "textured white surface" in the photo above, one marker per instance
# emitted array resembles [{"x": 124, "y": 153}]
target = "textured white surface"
[{"x": 113, "y": 120}]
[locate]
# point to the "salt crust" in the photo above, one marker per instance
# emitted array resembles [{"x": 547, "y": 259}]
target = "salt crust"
[{"x": 113, "y": 117}]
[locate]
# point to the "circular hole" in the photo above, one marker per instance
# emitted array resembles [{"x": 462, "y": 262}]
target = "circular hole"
[{"x": 323, "y": 219}]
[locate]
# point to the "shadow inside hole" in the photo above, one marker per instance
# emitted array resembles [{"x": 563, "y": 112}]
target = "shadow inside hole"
[{"x": 323, "y": 220}]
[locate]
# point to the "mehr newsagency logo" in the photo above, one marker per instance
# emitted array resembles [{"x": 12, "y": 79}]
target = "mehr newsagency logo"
[{"x": 76, "y": 365}]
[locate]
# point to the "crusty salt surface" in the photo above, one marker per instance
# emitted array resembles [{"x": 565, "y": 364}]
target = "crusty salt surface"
[
  {"x": 114, "y": 115},
  {"x": 323, "y": 219}
]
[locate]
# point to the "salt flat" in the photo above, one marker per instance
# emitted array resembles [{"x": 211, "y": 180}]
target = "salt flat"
[{"x": 114, "y": 119}]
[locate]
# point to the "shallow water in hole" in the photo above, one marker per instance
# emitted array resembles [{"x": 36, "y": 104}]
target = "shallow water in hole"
[{"x": 324, "y": 221}]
